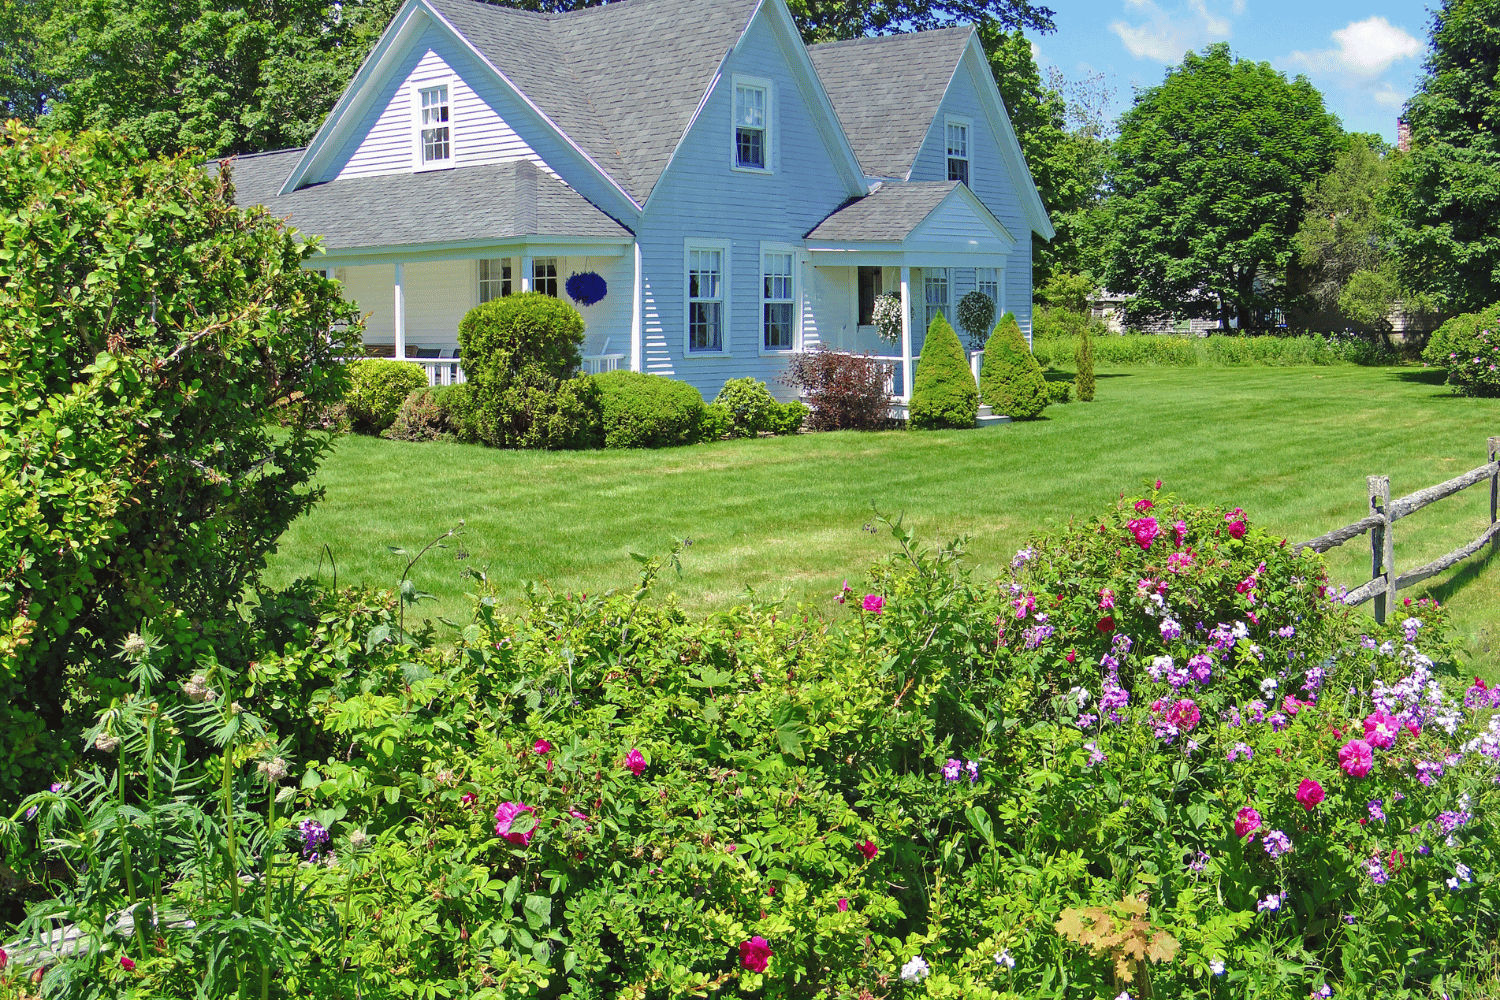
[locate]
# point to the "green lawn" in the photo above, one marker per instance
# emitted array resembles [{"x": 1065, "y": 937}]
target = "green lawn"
[{"x": 789, "y": 515}]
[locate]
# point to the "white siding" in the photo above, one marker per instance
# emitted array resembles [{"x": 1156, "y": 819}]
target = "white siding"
[
  {"x": 700, "y": 196},
  {"x": 438, "y": 294}
]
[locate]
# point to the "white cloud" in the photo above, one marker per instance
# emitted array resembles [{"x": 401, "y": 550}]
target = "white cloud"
[
  {"x": 1365, "y": 49},
  {"x": 1166, "y": 35},
  {"x": 1389, "y": 97}
]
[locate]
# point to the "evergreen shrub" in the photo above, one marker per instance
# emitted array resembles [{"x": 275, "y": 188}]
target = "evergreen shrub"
[
  {"x": 943, "y": 393},
  {"x": 650, "y": 411},
  {"x": 843, "y": 391},
  {"x": 1083, "y": 361},
  {"x": 377, "y": 389},
  {"x": 1010, "y": 378}
]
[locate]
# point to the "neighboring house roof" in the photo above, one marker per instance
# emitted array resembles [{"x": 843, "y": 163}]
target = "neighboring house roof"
[
  {"x": 886, "y": 215},
  {"x": 484, "y": 203},
  {"x": 887, "y": 90}
]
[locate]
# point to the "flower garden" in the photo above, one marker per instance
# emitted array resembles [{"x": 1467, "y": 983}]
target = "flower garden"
[{"x": 1155, "y": 758}]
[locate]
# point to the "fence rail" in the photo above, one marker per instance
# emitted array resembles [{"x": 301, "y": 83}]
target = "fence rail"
[{"x": 1384, "y": 512}]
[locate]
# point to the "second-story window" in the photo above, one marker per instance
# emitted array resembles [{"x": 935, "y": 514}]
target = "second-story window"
[
  {"x": 750, "y": 131},
  {"x": 958, "y": 151},
  {"x": 437, "y": 146}
]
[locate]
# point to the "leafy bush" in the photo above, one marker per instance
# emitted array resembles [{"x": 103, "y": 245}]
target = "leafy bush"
[
  {"x": 377, "y": 389},
  {"x": 753, "y": 410},
  {"x": 1009, "y": 377},
  {"x": 1059, "y": 392},
  {"x": 1052, "y": 323},
  {"x": 650, "y": 411},
  {"x": 843, "y": 391},
  {"x": 943, "y": 393},
  {"x": 1217, "y": 350},
  {"x": 976, "y": 313},
  {"x": 1083, "y": 360},
  {"x": 152, "y": 335},
  {"x": 422, "y": 417},
  {"x": 1468, "y": 346}
]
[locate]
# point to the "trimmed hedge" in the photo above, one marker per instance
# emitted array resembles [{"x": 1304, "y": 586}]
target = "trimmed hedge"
[
  {"x": 501, "y": 337},
  {"x": 377, "y": 389},
  {"x": 943, "y": 392},
  {"x": 1010, "y": 378},
  {"x": 650, "y": 411}
]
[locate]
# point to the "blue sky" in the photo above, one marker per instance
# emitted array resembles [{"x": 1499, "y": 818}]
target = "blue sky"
[{"x": 1364, "y": 55}]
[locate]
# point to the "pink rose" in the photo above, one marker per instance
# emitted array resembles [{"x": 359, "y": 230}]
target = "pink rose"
[
  {"x": 1180, "y": 530},
  {"x": 636, "y": 762},
  {"x": 541, "y": 748},
  {"x": 1356, "y": 758},
  {"x": 754, "y": 953},
  {"x": 1141, "y": 506},
  {"x": 127, "y": 964},
  {"x": 1309, "y": 794},
  {"x": 1236, "y": 529},
  {"x": 868, "y": 849},
  {"x": 1246, "y": 822},
  {"x": 1184, "y": 715},
  {"x": 843, "y": 906},
  {"x": 1106, "y": 599},
  {"x": 874, "y": 603},
  {"x": 1381, "y": 730},
  {"x": 1072, "y": 656},
  {"x": 1145, "y": 531},
  {"x": 506, "y": 815}
]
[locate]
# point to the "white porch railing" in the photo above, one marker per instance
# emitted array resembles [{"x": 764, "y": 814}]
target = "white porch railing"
[
  {"x": 598, "y": 364},
  {"x": 441, "y": 371}
]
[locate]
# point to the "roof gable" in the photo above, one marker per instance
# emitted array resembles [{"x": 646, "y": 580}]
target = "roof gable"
[{"x": 939, "y": 212}]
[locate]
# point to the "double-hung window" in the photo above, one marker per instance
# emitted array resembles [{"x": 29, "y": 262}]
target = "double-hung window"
[
  {"x": 988, "y": 282},
  {"x": 752, "y": 131},
  {"x": 958, "y": 150},
  {"x": 434, "y": 138},
  {"x": 544, "y": 275},
  {"x": 705, "y": 299},
  {"x": 494, "y": 279},
  {"x": 935, "y": 288},
  {"x": 778, "y": 308}
]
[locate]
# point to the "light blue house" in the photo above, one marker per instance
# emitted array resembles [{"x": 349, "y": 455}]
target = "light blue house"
[{"x": 743, "y": 195}]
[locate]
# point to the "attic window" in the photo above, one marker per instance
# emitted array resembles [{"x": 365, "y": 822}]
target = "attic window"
[
  {"x": 752, "y": 133},
  {"x": 437, "y": 146},
  {"x": 958, "y": 150}
]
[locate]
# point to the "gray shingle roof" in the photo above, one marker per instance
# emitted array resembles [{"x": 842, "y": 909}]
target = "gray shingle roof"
[
  {"x": 622, "y": 80},
  {"x": 494, "y": 202},
  {"x": 886, "y": 90},
  {"x": 886, "y": 215}
]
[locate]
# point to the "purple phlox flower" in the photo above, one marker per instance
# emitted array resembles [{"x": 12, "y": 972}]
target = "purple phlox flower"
[
  {"x": 1409, "y": 628},
  {"x": 1367, "y": 642},
  {"x": 1087, "y": 719},
  {"x": 1287, "y": 631},
  {"x": 1268, "y": 687},
  {"x": 1201, "y": 666},
  {"x": 952, "y": 769},
  {"x": 1080, "y": 695},
  {"x": 1322, "y": 992},
  {"x": 1279, "y": 721},
  {"x": 1376, "y": 812},
  {"x": 972, "y": 766},
  {"x": 1196, "y": 861},
  {"x": 1277, "y": 844},
  {"x": 1257, "y": 710},
  {"x": 1221, "y": 638},
  {"x": 1240, "y": 630},
  {"x": 1113, "y": 696},
  {"x": 1121, "y": 643},
  {"x": 1170, "y": 629},
  {"x": 1314, "y": 679},
  {"x": 314, "y": 838},
  {"x": 1377, "y": 871},
  {"x": 1463, "y": 872},
  {"x": 1109, "y": 663},
  {"x": 1451, "y": 820},
  {"x": 1351, "y": 919},
  {"x": 1428, "y": 772},
  {"x": 1096, "y": 756},
  {"x": 1233, "y": 717},
  {"x": 1239, "y": 750},
  {"x": 1022, "y": 557},
  {"x": 1037, "y": 634}
]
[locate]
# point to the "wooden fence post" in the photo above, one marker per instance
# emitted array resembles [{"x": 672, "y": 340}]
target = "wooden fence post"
[
  {"x": 1382, "y": 544},
  {"x": 1494, "y": 490}
]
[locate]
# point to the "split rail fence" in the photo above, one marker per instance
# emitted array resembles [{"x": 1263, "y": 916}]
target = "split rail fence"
[{"x": 1385, "y": 512}]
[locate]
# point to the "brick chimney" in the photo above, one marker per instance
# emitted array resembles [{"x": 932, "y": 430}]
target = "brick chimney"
[{"x": 1403, "y": 135}]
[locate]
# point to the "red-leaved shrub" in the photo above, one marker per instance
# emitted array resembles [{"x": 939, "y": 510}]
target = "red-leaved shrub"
[{"x": 845, "y": 391}]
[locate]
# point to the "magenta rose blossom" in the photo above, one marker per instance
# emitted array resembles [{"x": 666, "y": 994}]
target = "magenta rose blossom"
[
  {"x": 1246, "y": 822},
  {"x": 541, "y": 748},
  {"x": 127, "y": 964},
  {"x": 635, "y": 762},
  {"x": 506, "y": 815},
  {"x": 754, "y": 953},
  {"x": 843, "y": 906},
  {"x": 1356, "y": 758},
  {"x": 1381, "y": 730},
  {"x": 1144, "y": 505},
  {"x": 868, "y": 849},
  {"x": 1145, "y": 531},
  {"x": 1180, "y": 530},
  {"x": 874, "y": 603},
  {"x": 1309, "y": 794},
  {"x": 1184, "y": 715},
  {"x": 1236, "y": 529}
]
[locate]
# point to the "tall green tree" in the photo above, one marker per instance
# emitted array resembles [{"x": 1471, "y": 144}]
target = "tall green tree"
[
  {"x": 1446, "y": 194},
  {"x": 1208, "y": 179},
  {"x": 1343, "y": 240}
]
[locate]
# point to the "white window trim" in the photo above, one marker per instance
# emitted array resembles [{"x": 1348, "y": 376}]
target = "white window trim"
[
  {"x": 417, "y": 165},
  {"x": 968, "y": 124},
  {"x": 796, "y": 254},
  {"x": 768, "y": 86},
  {"x": 725, "y": 284}
]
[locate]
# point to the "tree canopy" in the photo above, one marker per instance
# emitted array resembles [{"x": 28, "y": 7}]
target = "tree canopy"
[
  {"x": 1445, "y": 195},
  {"x": 1207, "y": 187}
]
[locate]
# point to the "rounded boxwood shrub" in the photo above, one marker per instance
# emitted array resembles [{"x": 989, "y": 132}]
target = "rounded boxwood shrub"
[
  {"x": 1010, "y": 379},
  {"x": 943, "y": 392},
  {"x": 377, "y": 389},
  {"x": 650, "y": 411},
  {"x": 1468, "y": 346},
  {"x": 753, "y": 410}
]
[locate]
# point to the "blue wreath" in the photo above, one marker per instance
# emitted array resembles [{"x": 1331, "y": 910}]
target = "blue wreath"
[{"x": 587, "y": 288}]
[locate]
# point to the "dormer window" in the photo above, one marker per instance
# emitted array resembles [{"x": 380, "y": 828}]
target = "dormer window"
[
  {"x": 434, "y": 138},
  {"x": 958, "y": 150},
  {"x": 752, "y": 125}
]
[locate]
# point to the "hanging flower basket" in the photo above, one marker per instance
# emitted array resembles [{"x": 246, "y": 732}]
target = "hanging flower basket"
[
  {"x": 587, "y": 288},
  {"x": 887, "y": 317},
  {"x": 976, "y": 311}
]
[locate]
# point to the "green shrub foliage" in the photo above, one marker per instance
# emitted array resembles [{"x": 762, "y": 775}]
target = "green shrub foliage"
[
  {"x": 1218, "y": 351},
  {"x": 1468, "y": 346},
  {"x": 423, "y": 416},
  {"x": 1158, "y": 719},
  {"x": 943, "y": 393},
  {"x": 753, "y": 410},
  {"x": 1059, "y": 392},
  {"x": 650, "y": 411},
  {"x": 1053, "y": 322},
  {"x": 153, "y": 337},
  {"x": 1083, "y": 361},
  {"x": 377, "y": 390},
  {"x": 1010, "y": 378}
]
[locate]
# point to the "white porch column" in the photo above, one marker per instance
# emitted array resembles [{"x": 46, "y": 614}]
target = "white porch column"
[
  {"x": 526, "y": 272},
  {"x": 635, "y": 315},
  {"x": 400, "y": 304},
  {"x": 905, "y": 332}
]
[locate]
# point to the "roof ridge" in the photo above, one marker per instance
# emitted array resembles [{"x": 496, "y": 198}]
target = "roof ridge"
[{"x": 901, "y": 36}]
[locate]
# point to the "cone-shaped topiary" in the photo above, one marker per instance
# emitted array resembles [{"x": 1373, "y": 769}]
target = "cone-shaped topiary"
[
  {"x": 1010, "y": 380},
  {"x": 1083, "y": 382},
  {"x": 943, "y": 393}
]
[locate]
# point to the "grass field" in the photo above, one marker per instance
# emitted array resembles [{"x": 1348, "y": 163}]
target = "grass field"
[{"x": 790, "y": 515}]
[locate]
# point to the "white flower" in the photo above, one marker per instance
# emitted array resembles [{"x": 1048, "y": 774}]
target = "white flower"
[
  {"x": 1452, "y": 883},
  {"x": 1216, "y": 967},
  {"x": 1464, "y": 873},
  {"x": 1004, "y": 957},
  {"x": 1268, "y": 687},
  {"x": 916, "y": 970},
  {"x": 1124, "y": 996},
  {"x": 1241, "y": 630},
  {"x": 1082, "y": 695}
]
